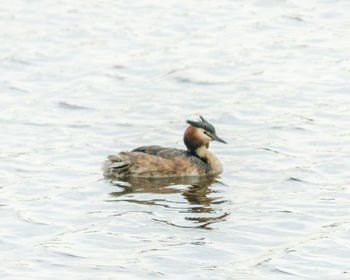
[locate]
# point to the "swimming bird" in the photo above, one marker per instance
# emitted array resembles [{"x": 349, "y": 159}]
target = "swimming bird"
[{"x": 163, "y": 162}]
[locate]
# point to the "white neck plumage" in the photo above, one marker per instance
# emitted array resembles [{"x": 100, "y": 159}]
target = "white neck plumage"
[{"x": 213, "y": 162}]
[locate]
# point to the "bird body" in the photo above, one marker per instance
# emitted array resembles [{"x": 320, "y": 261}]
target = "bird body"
[{"x": 163, "y": 162}]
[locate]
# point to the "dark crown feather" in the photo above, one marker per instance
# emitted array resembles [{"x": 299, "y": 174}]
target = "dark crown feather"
[{"x": 202, "y": 124}]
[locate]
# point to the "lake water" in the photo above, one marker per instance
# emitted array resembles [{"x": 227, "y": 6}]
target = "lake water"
[{"x": 80, "y": 80}]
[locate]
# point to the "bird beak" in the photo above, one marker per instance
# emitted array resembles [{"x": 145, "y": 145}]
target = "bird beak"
[{"x": 217, "y": 138}]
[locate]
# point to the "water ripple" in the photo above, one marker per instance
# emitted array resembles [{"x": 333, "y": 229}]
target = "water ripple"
[{"x": 84, "y": 79}]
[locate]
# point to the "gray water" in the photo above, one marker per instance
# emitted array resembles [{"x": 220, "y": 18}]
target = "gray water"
[{"x": 80, "y": 80}]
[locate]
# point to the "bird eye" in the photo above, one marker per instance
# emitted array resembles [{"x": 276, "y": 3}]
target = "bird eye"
[{"x": 206, "y": 133}]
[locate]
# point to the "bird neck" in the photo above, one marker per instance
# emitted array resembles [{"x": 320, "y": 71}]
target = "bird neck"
[
  {"x": 202, "y": 152},
  {"x": 213, "y": 164}
]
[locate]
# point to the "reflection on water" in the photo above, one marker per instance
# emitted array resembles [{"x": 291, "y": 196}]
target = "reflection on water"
[{"x": 196, "y": 191}]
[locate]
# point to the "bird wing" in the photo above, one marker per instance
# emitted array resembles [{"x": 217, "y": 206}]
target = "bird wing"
[{"x": 159, "y": 151}]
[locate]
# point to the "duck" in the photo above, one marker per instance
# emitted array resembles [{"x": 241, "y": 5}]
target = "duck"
[{"x": 164, "y": 162}]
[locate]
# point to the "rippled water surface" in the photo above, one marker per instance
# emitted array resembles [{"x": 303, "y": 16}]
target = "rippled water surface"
[{"x": 80, "y": 80}]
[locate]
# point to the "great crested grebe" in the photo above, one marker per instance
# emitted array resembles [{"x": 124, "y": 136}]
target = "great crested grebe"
[{"x": 162, "y": 162}]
